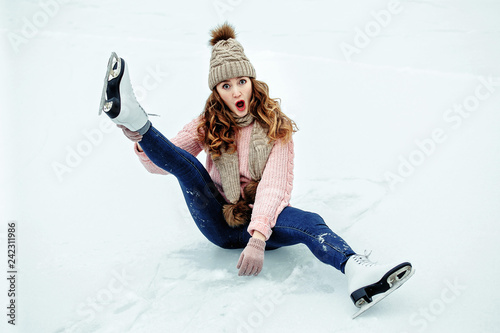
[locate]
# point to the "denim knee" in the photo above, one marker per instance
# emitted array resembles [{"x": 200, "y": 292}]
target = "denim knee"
[{"x": 315, "y": 219}]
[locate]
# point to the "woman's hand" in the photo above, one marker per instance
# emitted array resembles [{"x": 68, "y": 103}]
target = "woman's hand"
[
  {"x": 252, "y": 257},
  {"x": 134, "y": 136}
]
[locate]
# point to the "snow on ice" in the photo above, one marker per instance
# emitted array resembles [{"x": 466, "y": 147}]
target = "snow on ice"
[{"x": 397, "y": 103}]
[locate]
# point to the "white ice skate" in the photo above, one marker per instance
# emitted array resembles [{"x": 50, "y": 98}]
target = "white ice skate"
[
  {"x": 369, "y": 283},
  {"x": 118, "y": 99}
]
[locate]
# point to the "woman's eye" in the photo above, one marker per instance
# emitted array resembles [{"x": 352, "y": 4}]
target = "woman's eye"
[
  {"x": 243, "y": 81},
  {"x": 225, "y": 86}
]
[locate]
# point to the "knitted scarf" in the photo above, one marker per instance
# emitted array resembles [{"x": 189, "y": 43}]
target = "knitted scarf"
[{"x": 228, "y": 166}]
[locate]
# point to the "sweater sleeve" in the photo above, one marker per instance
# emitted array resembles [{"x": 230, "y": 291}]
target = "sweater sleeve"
[
  {"x": 274, "y": 190},
  {"x": 147, "y": 163},
  {"x": 186, "y": 139}
]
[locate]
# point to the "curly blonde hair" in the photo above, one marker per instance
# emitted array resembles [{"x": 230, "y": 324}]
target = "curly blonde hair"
[{"x": 219, "y": 129}]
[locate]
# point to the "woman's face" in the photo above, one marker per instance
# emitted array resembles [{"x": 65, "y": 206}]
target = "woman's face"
[{"x": 236, "y": 94}]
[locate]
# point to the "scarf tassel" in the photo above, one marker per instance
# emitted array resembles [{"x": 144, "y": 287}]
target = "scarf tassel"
[{"x": 240, "y": 213}]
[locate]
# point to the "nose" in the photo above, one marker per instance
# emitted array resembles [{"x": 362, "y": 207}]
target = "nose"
[{"x": 236, "y": 92}]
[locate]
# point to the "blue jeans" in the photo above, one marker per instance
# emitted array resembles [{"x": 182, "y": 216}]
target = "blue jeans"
[{"x": 205, "y": 203}]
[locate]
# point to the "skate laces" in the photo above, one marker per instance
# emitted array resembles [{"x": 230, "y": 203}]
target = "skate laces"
[{"x": 362, "y": 259}]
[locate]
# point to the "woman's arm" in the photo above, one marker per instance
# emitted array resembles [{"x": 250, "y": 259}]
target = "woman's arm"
[
  {"x": 259, "y": 235},
  {"x": 274, "y": 190},
  {"x": 146, "y": 162}
]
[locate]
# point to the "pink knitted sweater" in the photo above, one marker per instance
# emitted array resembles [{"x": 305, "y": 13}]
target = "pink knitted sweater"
[{"x": 275, "y": 187}]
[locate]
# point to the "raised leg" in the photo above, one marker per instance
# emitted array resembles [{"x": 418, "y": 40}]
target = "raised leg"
[{"x": 202, "y": 197}]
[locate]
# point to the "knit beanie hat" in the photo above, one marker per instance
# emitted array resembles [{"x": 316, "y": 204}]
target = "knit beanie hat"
[{"x": 228, "y": 59}]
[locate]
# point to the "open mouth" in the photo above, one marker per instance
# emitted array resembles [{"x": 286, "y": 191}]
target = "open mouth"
[{"x": 240, "y": 105}]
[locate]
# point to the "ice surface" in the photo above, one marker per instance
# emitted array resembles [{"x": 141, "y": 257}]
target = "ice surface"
[{"x": 398, "y": 150}]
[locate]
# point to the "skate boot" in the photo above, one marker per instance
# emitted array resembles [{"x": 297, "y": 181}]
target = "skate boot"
[
  {"x": 118, "y": 100},
  {"x": 367, "y": 279}
]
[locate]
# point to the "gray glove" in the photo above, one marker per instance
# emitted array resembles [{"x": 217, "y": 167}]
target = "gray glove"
[
  {"x": 252, "y": 257},
  {"x": 134, "y": 136}
]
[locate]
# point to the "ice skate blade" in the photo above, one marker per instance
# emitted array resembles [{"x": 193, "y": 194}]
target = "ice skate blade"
[
  {"x": 111, "y": 73},
  {"x": 364, "y": 295},
  {"x": 395, "y": 285},
  {"x": 398, "y": 275}
]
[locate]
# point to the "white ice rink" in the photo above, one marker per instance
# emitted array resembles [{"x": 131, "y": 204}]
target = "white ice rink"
[{"x": 397, "y": 103}]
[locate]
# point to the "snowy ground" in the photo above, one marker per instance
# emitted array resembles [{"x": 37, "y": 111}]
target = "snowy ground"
[{"x": 398, "y": 149}]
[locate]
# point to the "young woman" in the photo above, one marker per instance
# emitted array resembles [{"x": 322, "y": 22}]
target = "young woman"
[{"x": 240, "y": 199}]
